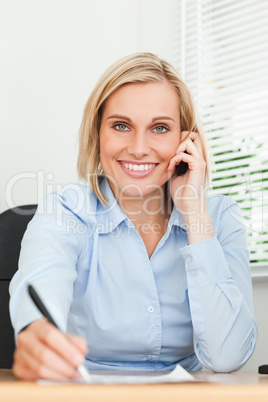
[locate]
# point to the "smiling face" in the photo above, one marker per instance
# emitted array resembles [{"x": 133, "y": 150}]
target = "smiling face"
[{"x": 139, "y": 134}]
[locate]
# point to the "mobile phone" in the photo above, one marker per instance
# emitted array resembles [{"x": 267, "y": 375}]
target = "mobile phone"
[{"x": 182, "y": 168}]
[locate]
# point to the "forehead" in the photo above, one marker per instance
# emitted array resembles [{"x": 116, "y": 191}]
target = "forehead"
[{"x": 155, "y": 96}]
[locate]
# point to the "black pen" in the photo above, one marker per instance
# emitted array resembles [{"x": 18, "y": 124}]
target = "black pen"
[{"x": 42, "y": 308}]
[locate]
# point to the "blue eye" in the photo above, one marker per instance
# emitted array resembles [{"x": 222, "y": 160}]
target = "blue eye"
[
  {"x": 120, "y": 127},
  {"x": 161, "y": 129}
]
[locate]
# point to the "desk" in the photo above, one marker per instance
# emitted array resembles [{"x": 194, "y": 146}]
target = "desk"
[{"x": 235, "y": 387}]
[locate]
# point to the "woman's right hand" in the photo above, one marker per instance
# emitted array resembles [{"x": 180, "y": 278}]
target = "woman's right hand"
[{"x": 45, "y": 352}]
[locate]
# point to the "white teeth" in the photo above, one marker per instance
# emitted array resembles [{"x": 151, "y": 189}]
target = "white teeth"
[{"x": 139, "y": 168}]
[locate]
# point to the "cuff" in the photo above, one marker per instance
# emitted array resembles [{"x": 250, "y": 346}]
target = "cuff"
[{"x": 205, "y": 263}]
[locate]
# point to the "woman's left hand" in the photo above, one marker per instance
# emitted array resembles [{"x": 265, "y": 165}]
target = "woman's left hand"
[{"x": 188, "y": 190}]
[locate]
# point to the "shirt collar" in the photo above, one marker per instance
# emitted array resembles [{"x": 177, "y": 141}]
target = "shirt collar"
[
  {"x": 176, "y": 218},
  {"x": 110, "y": 215}
]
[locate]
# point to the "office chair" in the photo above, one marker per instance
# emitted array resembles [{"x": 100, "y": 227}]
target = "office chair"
[{"x": 13, "y": 223}]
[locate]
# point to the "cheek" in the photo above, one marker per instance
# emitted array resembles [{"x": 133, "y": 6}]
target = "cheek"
[
  {"x": 168, "y": 150},
  {"x": 109, "y": 144},
  {"x": 106, "y": 146},
  {"x": 109, "y": 150}
]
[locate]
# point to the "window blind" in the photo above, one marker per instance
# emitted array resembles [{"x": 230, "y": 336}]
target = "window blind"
[{"x": 224, "y": 60}]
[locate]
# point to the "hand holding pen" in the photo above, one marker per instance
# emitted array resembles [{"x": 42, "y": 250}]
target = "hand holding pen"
[{"x": 43, "y": 351}]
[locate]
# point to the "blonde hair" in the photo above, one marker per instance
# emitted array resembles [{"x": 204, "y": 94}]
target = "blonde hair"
[{"x": 135, "y": 68}]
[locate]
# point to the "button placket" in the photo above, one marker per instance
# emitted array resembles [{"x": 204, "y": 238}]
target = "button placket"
[
  {"x": 192, "y": 273},
  {"x": 189, "y": 260}
]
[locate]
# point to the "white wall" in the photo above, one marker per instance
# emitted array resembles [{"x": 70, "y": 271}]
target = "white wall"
[{"x": 52, "y": 52}]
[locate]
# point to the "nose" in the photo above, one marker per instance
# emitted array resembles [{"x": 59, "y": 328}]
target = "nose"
[{"x": 139, "y": 144}]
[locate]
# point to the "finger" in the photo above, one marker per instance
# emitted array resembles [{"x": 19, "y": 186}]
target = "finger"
[
  {"x": 195, "y": 137},
  {"x": 59, "y": 342},
  {"x": 79, "y": 342},
  {"x": 182, "y": 156},
  {"x": 189, "y": 134},
  {"x": 23, "y": 372},
  {"x": 28, "y": 368},
  {"x": 37, "y": 356},
  {"x": 189, "y": 147},
  {"x": 193, "y": 163},
  {"x": 20, "y": 369}
]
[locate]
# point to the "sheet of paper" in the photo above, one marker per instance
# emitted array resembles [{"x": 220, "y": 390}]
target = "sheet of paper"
[
  {"x": 151, "y": 377},
  {"x": 134, "y": 377}
]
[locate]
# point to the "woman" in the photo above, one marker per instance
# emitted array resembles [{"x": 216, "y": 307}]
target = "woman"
[{"x": 142, "y": 267}]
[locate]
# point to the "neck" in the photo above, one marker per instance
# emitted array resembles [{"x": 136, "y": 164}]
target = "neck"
[{"x": 152, "y": 209}]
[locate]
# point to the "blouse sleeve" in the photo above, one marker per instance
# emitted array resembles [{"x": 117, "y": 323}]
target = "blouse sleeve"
[
  {"x": 220, "y": 294},
  {"x": 52, "y": 248}
]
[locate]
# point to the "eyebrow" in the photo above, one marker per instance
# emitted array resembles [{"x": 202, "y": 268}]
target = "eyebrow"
[{"x": 117, "y": 116}]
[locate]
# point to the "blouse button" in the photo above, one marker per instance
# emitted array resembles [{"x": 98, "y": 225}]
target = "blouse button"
[
  {"x": 192, "y": 273},
  {"x": 152, "y": 327},
  {"x": 151, "y": 309}
]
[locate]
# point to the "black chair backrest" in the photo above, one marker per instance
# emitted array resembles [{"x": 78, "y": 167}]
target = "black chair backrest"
[{"x": 13, "y": 224}]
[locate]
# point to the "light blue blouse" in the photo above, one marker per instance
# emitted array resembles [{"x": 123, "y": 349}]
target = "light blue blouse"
[{"x": 187, "y": 304}]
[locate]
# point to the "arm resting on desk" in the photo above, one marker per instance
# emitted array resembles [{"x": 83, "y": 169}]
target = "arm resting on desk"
[{"x": 220, "y": 294}]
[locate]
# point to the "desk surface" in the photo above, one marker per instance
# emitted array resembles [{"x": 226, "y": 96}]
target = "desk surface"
[{"x": 239, "y": 386}]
